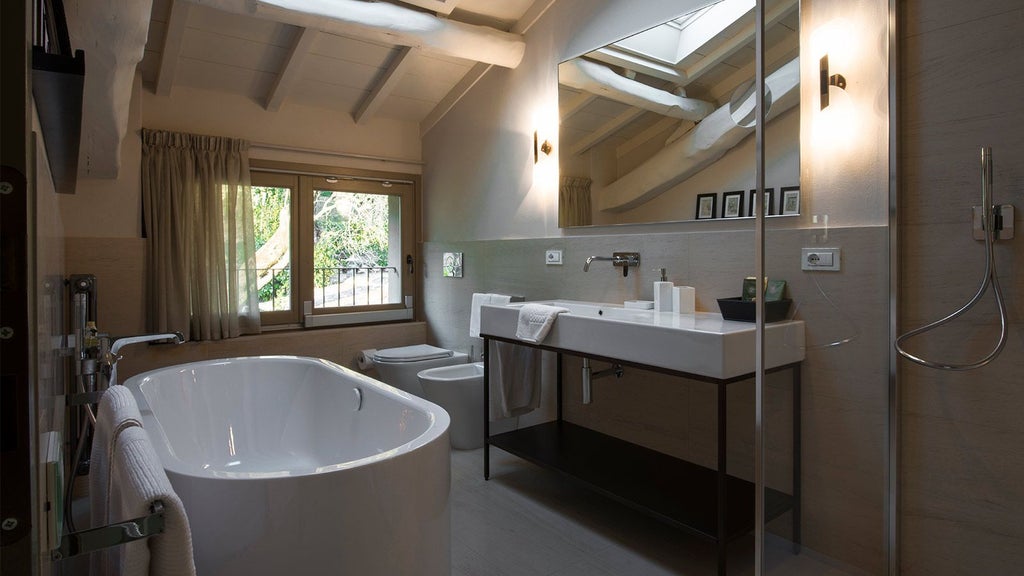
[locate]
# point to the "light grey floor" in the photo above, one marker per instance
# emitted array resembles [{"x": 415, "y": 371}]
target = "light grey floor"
[{"x": 527, "y": 521}]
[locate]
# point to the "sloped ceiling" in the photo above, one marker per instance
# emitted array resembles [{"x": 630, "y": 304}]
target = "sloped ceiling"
[{"x": 408, "y": 61}]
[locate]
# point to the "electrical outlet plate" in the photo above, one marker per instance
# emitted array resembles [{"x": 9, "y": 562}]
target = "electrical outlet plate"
[
  {"x": 820, "y": 259},
  {"x": 553, "y": 257}
]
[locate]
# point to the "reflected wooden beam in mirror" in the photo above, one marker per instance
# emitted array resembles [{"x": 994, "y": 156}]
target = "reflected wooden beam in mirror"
[
  {"x": 605, "y": 130},
  {"x": 652, "y": 131},
  {"x": 704, "y": 55},
  {"x": 731, "y": 45},
  {"x": 603, "y": 81},
  {"x": 618, "y": 57},
  {"x": 577, "y": 103},
  {"x": 702, "y": 146}
]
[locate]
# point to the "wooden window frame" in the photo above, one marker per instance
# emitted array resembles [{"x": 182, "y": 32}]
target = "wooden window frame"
[{"x": 306, "y": 180}]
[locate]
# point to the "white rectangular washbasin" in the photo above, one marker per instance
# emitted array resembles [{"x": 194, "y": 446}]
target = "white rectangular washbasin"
[{"x": 701, "y": 343}]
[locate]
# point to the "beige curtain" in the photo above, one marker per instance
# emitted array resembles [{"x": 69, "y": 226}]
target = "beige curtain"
[
  {"x": 574, "y": 202},
  {"x": 201, "y": 272}
]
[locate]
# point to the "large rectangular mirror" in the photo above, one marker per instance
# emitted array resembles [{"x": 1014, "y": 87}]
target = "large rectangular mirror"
[{"x": 653, "y": 125}]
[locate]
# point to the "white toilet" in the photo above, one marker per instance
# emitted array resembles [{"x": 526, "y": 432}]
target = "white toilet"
[
  {"x": 460, "y": 391},
  {"x": 399, "y": 366}
]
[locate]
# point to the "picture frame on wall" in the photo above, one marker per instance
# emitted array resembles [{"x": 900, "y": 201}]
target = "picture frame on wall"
[
  {"x": 451, "y": 265},
  {"x": 732, "y": 204},
  {"x": 707, "y": 204},
  {"x": 769, "y": 202},
  {"x": 790, "y": 200}
]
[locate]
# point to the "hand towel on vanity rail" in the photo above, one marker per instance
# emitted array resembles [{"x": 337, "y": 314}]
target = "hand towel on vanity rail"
[
  {"x": 474, "y": 311},
  {"x": 515, "y": 380},
  {"x": 535, "y": 321}
]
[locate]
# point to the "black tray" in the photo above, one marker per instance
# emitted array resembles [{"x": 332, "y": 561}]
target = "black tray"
[{"x": 744, "y": 311}]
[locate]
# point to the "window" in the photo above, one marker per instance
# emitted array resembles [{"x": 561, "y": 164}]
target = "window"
[{"x": 332, "y": 249}]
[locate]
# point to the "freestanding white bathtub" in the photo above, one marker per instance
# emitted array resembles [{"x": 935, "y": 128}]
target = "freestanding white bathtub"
[{"x": 291, "y": 466}]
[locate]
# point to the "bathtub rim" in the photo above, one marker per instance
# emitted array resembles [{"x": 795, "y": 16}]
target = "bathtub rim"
[{"x": 437, "y": 427}]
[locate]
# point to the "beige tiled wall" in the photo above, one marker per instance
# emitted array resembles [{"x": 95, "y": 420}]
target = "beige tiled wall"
[
  {"x": 844, "y": 411},
  {"x": 340, "y": 345},
  {"x": 962, "y": 460}
]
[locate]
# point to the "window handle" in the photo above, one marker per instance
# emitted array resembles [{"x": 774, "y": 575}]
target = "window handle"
[{"x": 409, "y": 260}]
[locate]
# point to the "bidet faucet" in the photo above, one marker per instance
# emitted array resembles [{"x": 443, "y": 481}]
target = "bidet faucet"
[{"x": 621, "y": 259}]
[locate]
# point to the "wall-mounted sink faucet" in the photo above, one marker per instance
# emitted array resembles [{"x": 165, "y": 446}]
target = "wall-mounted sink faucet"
[{"x": 620, "y": 259}]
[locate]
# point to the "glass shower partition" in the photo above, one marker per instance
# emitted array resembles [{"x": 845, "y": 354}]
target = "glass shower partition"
[{"x": 825, "y": 430}]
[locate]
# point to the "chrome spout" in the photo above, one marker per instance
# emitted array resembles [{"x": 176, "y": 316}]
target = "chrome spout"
[
  {"x": 113, "y": 346},
  {"x": 619, "y": 259},
  {"x": 586, "y": 265},
  {"x": 123, "y": 341}
]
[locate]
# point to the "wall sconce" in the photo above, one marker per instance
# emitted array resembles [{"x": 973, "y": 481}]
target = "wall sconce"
[
  {"x": 836, "y": 80},
  {"x": 539, "y": 147}
]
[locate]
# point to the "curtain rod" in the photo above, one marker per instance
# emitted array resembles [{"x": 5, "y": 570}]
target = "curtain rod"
[
  {"x": 340, "y": 175},
  {"x": 268, "y": 146}
]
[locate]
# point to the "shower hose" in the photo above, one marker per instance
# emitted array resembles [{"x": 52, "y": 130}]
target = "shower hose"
[{"x": 990, "y": 279}]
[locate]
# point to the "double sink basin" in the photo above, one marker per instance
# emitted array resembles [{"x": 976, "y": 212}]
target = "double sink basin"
[{"x": 701, "y": 343}]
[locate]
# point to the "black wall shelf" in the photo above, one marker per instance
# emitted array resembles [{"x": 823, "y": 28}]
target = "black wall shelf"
[
  {"x": 57, "y": 87},
  {"x": 705, "y": 502},
  {"x": 675, "y": 491}
]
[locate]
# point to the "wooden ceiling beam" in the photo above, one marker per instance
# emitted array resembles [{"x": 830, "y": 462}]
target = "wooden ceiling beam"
[
  {"x": 387, "y": 24},
  {"x": 174, "y": 35},
  {"x": 292, "y": 66},
  {"x": 529, "y": 18},
  {"x": 386, "y": 84}
]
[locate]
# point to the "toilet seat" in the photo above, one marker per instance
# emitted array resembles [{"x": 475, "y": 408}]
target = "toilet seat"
[{"x": 415, "y": 353}]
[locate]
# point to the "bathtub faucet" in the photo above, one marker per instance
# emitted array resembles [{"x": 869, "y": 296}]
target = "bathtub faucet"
[{"x": 110, "y": 349}]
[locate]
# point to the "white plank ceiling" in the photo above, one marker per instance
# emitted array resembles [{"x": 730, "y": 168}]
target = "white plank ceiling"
[{"x": 279, "y": 64}]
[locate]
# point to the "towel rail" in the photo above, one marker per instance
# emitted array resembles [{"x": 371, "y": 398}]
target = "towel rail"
[{"x": 85, "y": 541}]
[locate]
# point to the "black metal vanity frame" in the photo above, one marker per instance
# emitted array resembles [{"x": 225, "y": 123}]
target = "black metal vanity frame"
[{"x": 675, "y": 491}]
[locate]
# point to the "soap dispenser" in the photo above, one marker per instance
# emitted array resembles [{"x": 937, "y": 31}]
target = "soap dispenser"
[{"x": 663, "y": 293}]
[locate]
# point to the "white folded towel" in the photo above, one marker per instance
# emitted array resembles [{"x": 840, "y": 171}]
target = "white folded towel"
[
  {"x": 414, "y": 353},
  {"x": 515, "y": 380},
  {"x": 137, "y": 480},
  {"x": 474, "y": 312},
  {"x": 117, "y": 410},
  {"x": 535, "y": 321}
]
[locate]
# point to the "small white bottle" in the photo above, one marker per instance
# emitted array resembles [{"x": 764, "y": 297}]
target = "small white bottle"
[
  {"x": 663, "y": 294},
  {"x": 684, "y": 299}
]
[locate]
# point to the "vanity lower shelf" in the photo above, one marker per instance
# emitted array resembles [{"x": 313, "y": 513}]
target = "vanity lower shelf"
[{"x": 678, "y": 492}]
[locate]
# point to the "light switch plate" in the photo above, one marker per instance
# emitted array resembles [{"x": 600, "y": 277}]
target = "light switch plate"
[
  {"x": 553, "y": 257},
  {"x": 820, "y": 259}
]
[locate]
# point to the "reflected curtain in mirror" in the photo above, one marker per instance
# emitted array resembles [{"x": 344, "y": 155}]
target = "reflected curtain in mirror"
[
  {"x": 574, "y": 202},
  {"x": 200, "y": 251}
]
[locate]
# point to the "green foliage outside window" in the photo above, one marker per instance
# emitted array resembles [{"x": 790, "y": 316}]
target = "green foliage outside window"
[
  {"x": 271, "y": 209},
  {"x": 349, "y": 230}
]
